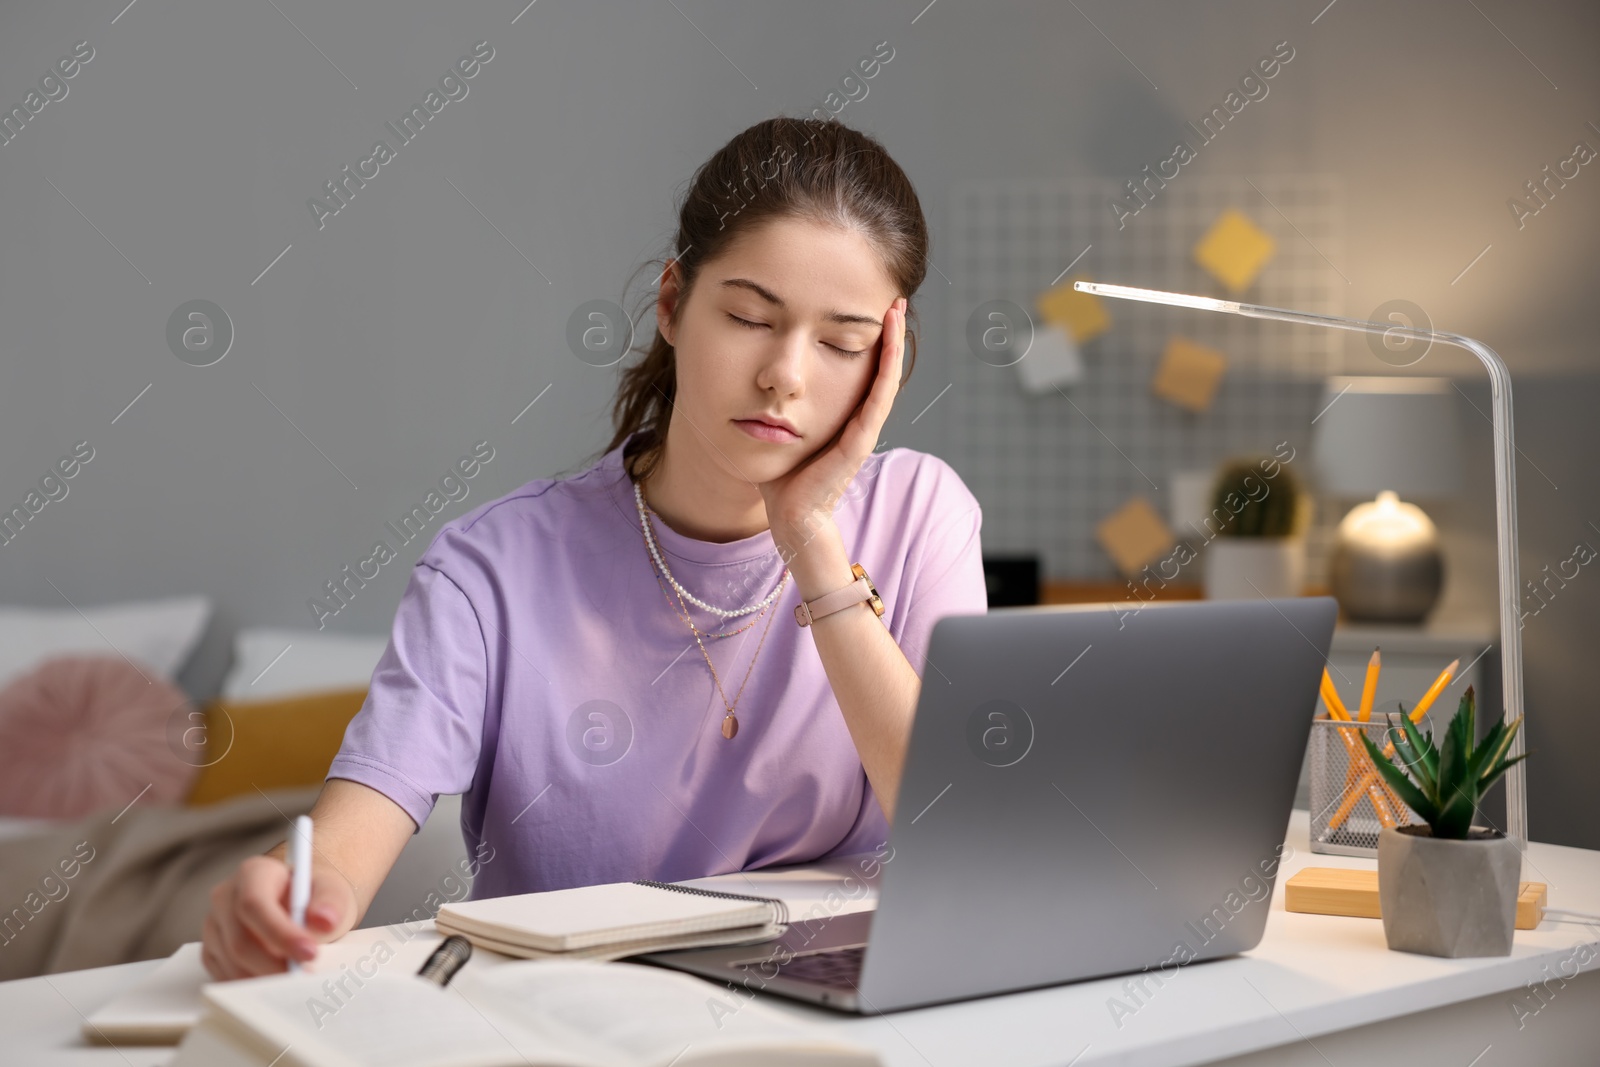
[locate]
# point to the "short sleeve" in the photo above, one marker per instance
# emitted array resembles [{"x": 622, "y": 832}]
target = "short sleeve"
[
  {"x": 419, "y": 733},
  {"x": 944, "y": 575}
]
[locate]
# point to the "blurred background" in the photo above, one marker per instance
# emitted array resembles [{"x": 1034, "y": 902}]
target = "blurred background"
[{"x": 346, "y": 362}]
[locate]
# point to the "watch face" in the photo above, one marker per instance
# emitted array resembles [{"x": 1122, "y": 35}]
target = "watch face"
[{"x": 873, "y": 598}]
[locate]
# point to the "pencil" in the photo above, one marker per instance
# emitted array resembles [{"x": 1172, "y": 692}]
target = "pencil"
[
  {"x": 1365, "y": 776},
  {"x": 1369, "y": 688},
  {"x": 1381, "y": 805},
  {"x": 1415, "y": 715},
  {"x": 1330, "y": 697},
  {"x": 1434, "y": 690},
  {"x": 1359, "y": 771},
  {"x": 1438, "y": 686}
]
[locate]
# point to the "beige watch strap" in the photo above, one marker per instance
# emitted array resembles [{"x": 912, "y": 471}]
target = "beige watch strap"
[
  {"x": 807, "y": 613},
  {"x": 857, "y": 591}
]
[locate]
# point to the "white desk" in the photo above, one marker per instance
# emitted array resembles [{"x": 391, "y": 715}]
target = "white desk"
[{"x": 1318, "y": 990}]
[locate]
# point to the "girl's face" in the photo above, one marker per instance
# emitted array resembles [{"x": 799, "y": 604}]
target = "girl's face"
[{"x": 776, "y": 345}]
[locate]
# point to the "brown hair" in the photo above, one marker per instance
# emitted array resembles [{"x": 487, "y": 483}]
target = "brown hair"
[{"x": 814, "y": 169}]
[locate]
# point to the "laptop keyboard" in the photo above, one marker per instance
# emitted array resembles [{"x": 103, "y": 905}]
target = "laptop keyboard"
[{"x": 836, "y": 968}]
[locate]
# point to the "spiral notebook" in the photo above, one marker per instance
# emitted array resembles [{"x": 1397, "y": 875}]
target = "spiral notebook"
[{"x": 613, "y": 920}]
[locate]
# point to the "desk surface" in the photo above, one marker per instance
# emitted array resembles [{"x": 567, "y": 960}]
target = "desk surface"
[{"x": 1311, "y": 975}]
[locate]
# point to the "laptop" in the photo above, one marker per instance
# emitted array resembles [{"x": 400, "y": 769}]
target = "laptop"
[{"x": 1088, "y": 791}]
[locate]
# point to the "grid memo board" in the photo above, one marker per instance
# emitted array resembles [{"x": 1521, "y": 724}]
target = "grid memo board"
[{"x": 1045, "y": 471}]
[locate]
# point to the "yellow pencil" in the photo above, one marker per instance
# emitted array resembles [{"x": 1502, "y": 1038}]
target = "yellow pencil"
[
  {"x": 1434, "y": 690},
  {"x": 1359, "y": 766},
  {"x": 1330, "y": 697},
  {"x": 1369, "y": 688},
  {"x": 1416, "y": 713},
  {"x": 1364, "y": 776},
  {"x": 1370, "y": 778},
  {"x": 1336, "y": 710}
]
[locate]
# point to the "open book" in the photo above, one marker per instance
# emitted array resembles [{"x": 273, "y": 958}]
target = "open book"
[
  {"x": 165, "y": 1003},
  {"x": 562, "y": 1013},
  {"x": 613, "y": 920}
]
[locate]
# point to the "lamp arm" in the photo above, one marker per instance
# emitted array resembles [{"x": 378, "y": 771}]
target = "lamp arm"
[{"x": 1505, "y": 494}]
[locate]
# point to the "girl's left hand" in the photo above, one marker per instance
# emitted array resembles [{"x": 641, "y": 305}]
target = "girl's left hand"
[{"x": 805, "y": 497}]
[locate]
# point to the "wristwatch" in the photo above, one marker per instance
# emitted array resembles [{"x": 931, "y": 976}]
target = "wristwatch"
[{"x": 808, "y": 612}]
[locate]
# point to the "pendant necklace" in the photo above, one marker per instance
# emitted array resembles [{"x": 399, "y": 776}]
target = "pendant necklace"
[{"x": 730, "y": 722}]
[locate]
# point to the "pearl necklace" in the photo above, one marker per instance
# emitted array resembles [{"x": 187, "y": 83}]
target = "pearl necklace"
[{"x": 661, "y": 564}]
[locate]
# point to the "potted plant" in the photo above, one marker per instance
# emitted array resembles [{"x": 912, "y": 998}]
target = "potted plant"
[
  {"x": 1447, "y": 888},
  {"x": 1259, "y": 549}
]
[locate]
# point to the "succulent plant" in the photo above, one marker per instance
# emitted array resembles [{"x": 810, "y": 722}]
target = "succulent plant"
[
  {"x": 1248, "y": 503},
  {"x": 1444, "y": 785}
]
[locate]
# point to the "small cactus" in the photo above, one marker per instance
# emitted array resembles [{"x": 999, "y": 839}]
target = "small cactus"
[{"x": 1248, "y": 504}]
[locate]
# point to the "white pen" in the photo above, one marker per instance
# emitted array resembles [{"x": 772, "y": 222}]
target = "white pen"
[{"x": 299, "y": 876}]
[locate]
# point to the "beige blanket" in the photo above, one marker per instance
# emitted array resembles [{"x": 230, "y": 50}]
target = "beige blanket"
[{"x": 114, "y": 888}]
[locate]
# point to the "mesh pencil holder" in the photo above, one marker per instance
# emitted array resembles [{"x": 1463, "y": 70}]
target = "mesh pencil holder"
[{"x": 1349, "y": 801}]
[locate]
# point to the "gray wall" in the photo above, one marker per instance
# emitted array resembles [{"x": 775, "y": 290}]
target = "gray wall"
[{"x": 428, "y": 313}]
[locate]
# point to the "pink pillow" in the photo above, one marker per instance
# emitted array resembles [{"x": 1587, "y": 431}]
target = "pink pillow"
[{"x": 82, "y": 733}]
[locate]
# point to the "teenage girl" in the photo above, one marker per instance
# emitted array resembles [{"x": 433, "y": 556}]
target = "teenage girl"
[{"x": 702, "y": 654}]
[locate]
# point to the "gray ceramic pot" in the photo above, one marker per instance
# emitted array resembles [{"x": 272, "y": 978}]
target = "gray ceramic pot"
[{"x": 1448, "y": 898}]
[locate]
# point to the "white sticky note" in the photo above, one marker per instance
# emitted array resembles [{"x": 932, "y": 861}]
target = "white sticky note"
[
  {"x": 1052, "y": 360},
  {"x": 1189, "y": 497}
]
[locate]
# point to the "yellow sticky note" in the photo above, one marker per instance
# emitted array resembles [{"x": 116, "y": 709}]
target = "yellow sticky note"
[
  {"x": 1134, "y": 535},
  {"x": 1083, "y": 315},
  {"x": 1234, "y": 250},
  {"x": 1188, "y": 373}
]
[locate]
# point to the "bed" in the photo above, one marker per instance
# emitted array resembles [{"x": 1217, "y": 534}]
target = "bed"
[{"x": 127, "y": 790}]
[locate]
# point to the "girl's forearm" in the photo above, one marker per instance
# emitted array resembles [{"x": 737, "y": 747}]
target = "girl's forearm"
[
  {"x": 359, "y": 834},
  {"x": 874, "y": 684}
]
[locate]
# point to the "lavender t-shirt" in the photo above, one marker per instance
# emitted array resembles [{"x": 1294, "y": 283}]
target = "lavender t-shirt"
[{"x": 537, "y": 668}]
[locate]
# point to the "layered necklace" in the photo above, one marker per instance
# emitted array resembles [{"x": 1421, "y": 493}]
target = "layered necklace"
[{"x": 730, "y": 723}]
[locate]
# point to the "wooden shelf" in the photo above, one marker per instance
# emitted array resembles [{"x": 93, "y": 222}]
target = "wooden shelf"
[{"x": 1068, "y": 592}]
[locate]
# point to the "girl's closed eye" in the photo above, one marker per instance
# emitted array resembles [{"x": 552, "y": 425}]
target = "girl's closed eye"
[{"x": 759, "y": 325}]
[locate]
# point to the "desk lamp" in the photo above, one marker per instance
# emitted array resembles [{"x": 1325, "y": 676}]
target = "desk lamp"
[
  {"x": 1505, "y": 489},
  {"x": 1396, "y": 438}
]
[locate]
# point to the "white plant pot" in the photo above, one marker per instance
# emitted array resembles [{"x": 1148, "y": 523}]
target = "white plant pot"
[{"x": 1248, "y": 568}]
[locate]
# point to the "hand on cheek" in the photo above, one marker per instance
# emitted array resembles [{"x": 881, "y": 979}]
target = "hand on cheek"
[{"x": 801, "y": 500}]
